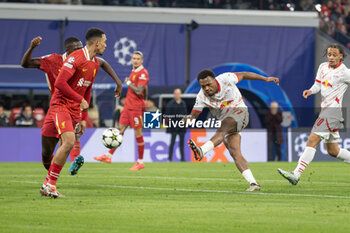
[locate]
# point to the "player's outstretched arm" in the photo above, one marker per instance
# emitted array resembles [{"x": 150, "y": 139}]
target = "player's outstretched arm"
[
  {"x": 138, "y": 90},
  {"x": 109, "y": 70},
  {"x": 27, "y": 60},
  {"x": 313, "y": 90},
  {"x": 253, "y": 76}
]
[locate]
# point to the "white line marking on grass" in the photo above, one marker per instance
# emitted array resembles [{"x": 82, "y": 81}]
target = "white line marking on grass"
[
  {"x": 196, "y": 190},
  {"x": 224, "y": 179},
  {"x": 198, "y": 179}
]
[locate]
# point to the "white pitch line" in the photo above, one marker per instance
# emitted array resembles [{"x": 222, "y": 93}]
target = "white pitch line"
[
  {"x": 196, "y": 190},
  {"x": 223, "y": 179},
  {"x": 200, "y": 179}
]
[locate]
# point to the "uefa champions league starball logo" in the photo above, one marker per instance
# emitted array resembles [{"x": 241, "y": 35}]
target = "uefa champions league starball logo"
[
  {"x": 300, "y": 143},
  {"x": 123, "y": 50}
]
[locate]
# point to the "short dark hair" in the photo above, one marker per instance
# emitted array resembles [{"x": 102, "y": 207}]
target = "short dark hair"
[
  {"x": 92, "y": 34},
  {"x": 70, "y": 40},
  {"x": 335, "y": 46},
  {"x": 205, "y": 73},
  {"x": 139, "y": 53}
]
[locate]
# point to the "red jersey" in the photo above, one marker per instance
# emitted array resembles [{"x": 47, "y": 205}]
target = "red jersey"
[
  {"x": 51, "y": 64},
  {"x": 134, "y": 101},
  {"x": 75, "y": 80}
]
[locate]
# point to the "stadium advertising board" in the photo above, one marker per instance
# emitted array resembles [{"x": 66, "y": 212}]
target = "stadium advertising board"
[
  {"x": 156, "y": 146},
  {"x": 299, "y": 137}
]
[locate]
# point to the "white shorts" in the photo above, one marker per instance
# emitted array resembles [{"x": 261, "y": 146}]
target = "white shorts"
[
  {"x": 327, "y": 129},
  {"x": 240, "y": 115}
]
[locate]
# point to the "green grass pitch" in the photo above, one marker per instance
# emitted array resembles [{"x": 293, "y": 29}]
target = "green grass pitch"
[{"x": 176, "y": 197}]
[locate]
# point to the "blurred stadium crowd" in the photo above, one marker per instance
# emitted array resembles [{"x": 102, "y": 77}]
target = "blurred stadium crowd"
[{"x": 334, "y": 14}]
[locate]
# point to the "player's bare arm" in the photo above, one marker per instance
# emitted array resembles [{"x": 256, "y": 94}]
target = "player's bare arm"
[
  {"x": 84, "y": 105},
  {"x": 27, "y": 60},
  {"x": 109, "y": 70},
  {"x": 253, "y": 76},
  {"x": 138, "y": 90}
]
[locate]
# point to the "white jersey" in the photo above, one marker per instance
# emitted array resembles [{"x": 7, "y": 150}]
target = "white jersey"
[
  {"x": 228, "y": 98},
  {"x": 333, "y": 83}
]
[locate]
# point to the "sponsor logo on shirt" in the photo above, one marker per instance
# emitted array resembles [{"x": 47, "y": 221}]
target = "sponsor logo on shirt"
[
  {"x": 83, "y": 82},
  {"x": 326, "y": 84},
  {"x": 71, "y": 60},
  {"x": 143, "y": 76},
  {"x": 70, "y": 66}
]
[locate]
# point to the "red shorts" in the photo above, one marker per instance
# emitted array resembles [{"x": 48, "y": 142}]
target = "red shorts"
[
  {"x": 132, "y": 118},
  {"x": 59, "y": 120}
]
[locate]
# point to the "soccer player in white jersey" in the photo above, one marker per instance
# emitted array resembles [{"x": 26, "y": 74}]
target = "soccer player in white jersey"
[
  {"x": 225, "y": 102},
  {"x": 332, "y": 80}
]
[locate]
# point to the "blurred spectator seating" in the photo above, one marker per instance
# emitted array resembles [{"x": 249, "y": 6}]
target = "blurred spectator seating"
[
  {"x": 15, "y": 112},
  {"x": 39, "y": 116}
]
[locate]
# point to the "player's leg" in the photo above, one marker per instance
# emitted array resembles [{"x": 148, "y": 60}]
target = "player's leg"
[
  {"x": 49, "y": 139},
  {"x": 336, "y": 152},
  {"x": 107, "y": 157},
  {"x": 304, "y": 160},
  {"x": 78, "y": 161},
  {"x": 48, "y": 145},
  {"x": 171, "y": 147},
  {"x": 228, "y": 126},
  {"x": 140, "y": 149},
  {"x": 76, "y": 157},
  {"x": 68, "y": 140},
  {"x": 75, "y": 152},
  {"x": 65, "y": 123},
  {"x": 233, "y": 145}
]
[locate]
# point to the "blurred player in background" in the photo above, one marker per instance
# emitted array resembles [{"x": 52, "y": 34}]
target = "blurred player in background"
[
  {"x": 71, "y": 100},
  {"x": 225, "y": 102},
  {"x": 51, "y": 65},
  {"x": 133, "y": 109},
  {"x": 332, "y": 79}
]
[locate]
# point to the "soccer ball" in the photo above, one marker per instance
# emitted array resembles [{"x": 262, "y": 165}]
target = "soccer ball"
[{"x": 112, "y": 138}]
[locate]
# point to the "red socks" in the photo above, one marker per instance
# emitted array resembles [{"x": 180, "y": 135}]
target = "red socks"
[
  {"x": 111, "y": 151},
  {"x": 140, "y": 146},
  {"x": 53, "y": 174},
  {"x": 75, "y": 152}
]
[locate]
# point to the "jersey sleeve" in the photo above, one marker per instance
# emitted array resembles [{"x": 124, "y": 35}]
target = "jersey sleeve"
[
  {"x": 70, "y": 65},
  {"x": 347, "y": 76},
  {"x": 143, "y": 79},
  {"x": 199, "y": 105},
  {"x": 231, "y": 78},
  {"x": 318, "y": 75},
  {"x": 46, "y": 62}
]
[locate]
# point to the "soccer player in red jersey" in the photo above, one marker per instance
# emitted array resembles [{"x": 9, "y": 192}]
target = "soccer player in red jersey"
[
  {"x": 133, "y": 109},
  {"x": 71, "y": 100},
  {"x": 51, "y": 65}
]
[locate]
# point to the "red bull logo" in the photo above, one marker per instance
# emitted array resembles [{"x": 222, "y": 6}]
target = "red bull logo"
[{"x": 326, "y": 84}]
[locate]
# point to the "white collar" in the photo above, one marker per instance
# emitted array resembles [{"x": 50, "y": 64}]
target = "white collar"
[{"x": 138, "y": 68}]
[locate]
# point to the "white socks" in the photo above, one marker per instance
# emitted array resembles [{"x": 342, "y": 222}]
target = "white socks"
[
  {"x": 247, "y": 174},
  {"x": 304, "y": 160},
  {"x": 208, "y": 146},
  {"x": 109, "y": 155},
  {"x": 344, "y": 155},
  {"x": 140, "y": 161}
]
